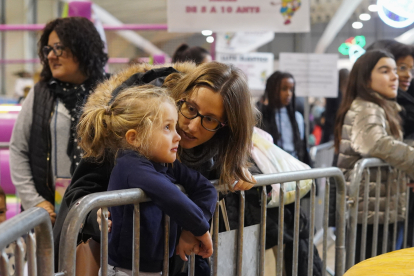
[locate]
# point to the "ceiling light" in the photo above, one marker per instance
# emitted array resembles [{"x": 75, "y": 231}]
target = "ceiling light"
[
  {"x": 357, "y": 25},
  {"x": 373, "y": 8},
  {"x": 364, "y": 16},
  {"x": 210, "y": 39},
  {"x": 207, "y": 32}
]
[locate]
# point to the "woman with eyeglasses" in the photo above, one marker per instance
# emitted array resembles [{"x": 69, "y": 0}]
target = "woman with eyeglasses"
[
  {"x": 215, "y": 122},
  {"x": 43, "y": 146}
]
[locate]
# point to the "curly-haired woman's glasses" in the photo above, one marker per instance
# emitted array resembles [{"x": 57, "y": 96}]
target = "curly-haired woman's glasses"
[
  {"x": 57, "y": 50},
  {"x": 190, "y": 112}
]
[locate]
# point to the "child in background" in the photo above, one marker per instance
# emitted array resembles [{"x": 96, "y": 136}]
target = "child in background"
[
  {"x": 10, "y": 248},
  {"x": 280, "y": 118},
  {"x": 139, "y": 124}
]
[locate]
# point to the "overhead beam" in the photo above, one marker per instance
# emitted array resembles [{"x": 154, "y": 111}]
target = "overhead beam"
[
  {"x": 131, "y": 36},
  {"x": 344, "y": 12}
]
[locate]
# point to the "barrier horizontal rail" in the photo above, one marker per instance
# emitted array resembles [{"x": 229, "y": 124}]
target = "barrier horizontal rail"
[
  {"x": 362, "y": 170},
  {"x": 77, "y": 214},
  {"x": 13, "y": 229},
  {"x": 4, "y": 145}
]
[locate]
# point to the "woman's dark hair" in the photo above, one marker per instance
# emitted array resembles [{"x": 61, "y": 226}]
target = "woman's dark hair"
[
  {"x": 81, "y": 37},
  {"x": 397, "y": 49},
  {"x": 272, "y": 93},
  {"x": 343, "y": 76},
  {"x": 194, "y": 54},
  {"x": 359, "y": 85}
]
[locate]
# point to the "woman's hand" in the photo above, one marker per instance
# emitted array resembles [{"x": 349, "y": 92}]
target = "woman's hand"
[
  {"x": 49, "y": 208},
  {"x": 98, "y": 219},
  {"x": 411, "y": 185},
  {"x": 187, "y": 244},
  {"x": 242, "y": 185}
]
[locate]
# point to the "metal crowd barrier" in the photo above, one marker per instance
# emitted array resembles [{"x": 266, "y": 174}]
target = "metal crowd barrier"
[
  {"x": 362, "y": 176},
  {"x": 39, "y": 245},
  {"x": 77, "y": 214},
  {"x": 322, "y": 155}
]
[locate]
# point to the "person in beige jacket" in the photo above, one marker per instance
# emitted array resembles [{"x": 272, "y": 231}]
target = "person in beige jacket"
[{"x": 368, "y": 125}]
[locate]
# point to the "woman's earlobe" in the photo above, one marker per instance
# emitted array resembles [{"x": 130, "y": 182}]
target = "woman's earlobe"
[{"x": 131, "y": 136}]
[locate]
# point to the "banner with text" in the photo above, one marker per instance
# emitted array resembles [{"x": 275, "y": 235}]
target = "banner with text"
[
  {"x": 242, "y": 42},
  {"x": 256, "y": 66},
  {"x": 284, "y": 16},
  {"x": 316, "y": 75}
]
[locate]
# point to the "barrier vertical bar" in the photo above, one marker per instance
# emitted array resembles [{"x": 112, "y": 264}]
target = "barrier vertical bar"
[
  {"x": 296, "y": 230},
  {"x": 376, "y": 214},
  {"x": 214, "y": 263},
  {"x": 4, "y": 263},
  {"x": 279, "y": 261},
  {"x": 311, "y": 226},
  {"x": 387, "y": 211},
  {"x": 104, "y": 241},
  {"x": 365, "y": 216},
  {"x": 136, "y": 239},
  {"x": 397, "y": 197},
  {"x": 31, "y": 254},
  {"x": 44, "y": 242},
  {"x": 166, "y": 266},
  {"x": 325, "y": 227},
  {"x": 340, "y": 224},
  {"x": 263, "y": 232},
  {"x": 240, "y": 234},
  {"x": 353, "y": 213},
  {"x": 407, "y": 210},
  {"x": 191, "y": 265},
  {"x": 18, "y": 258}
]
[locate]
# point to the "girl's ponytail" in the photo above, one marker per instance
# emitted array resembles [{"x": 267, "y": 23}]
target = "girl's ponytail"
[{"x": 93, "y": 131}]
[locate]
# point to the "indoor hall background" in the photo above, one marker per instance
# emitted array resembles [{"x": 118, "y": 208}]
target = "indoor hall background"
[{"x": 22, "y": 44}]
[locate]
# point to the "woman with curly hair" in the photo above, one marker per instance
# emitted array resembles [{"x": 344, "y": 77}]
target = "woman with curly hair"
[{"x": 43, "y": 146}]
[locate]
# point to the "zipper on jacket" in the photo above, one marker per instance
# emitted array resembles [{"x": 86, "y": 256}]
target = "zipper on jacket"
[{"x": 48, "y": 178}]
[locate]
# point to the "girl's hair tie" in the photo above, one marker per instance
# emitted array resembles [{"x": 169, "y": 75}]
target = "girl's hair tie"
[{"x": 107, "y": 110}]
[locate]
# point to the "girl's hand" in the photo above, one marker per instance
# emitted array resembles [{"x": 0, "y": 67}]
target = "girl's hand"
[
  {"x": 242, "y": 185},
  {"x": 187, "y": 244},
  {"x": 411, "y": 185},
  {"x": 206, "y": 248},
  {"x": 98, "y": 219}
]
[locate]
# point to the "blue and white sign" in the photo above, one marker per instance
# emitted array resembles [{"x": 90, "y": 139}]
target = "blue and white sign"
[{"x": 396, "y": 13}]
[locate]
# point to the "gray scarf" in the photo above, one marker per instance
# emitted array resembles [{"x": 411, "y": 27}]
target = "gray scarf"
[{"x": 201, "y": 158}]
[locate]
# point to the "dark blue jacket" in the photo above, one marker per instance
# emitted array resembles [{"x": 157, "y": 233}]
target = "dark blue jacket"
[{"x": 190, "y": 212}]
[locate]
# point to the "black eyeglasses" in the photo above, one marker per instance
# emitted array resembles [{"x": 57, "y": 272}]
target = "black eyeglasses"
[
  {"x": 57, "y": 50},
  {"x": 190, "y": 112}
]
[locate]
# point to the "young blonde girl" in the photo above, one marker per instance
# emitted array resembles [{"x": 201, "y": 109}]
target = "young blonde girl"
[{"x": 138, "y": 126}]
